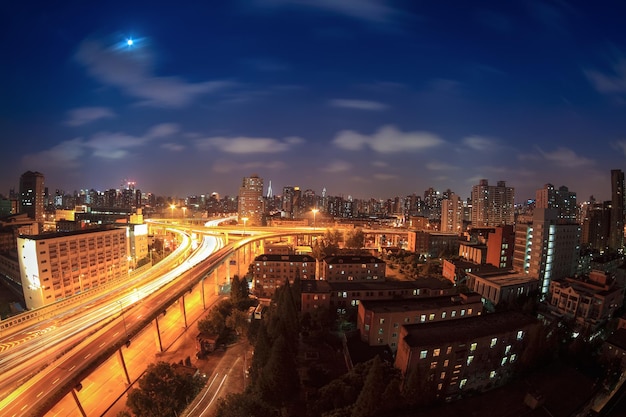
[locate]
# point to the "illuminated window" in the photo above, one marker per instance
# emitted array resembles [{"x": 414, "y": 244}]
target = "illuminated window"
[
  {"x": 462, "y": 312},
  {"x": 492, "y": 374},
  {"x": 520, "y": 335},
  {"x": 473, "y": 346},
  {"x": 436, "y": 352},
  {"x": 433, "y": 365},
  {"x": 503, "y": 361},
  {"x": 443, "y": 375},
  {"x": 445, "y": 363},
  {"x": 513, "y": 357},
  {"x": 453, "y": 313},
  {"x": 493, "y": 342},
  {"x": 470, "y": 359},
  {"x": 431, "y": 317},
  {"x": 423, "y": 318},
  {"x": 469, "y": 311},
  {"x": 382, "y": 321},
  {"x": 448, "y": 350},
  {"x": 423, "y": 354},
  {"x": 507, "y": 349},
  {"x": 443, "y": 315},
  {"x": 463, "y": 382},
  {"x": 439, "y": 386}
]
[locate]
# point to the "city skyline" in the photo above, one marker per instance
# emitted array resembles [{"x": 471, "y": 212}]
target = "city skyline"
[{"x": 364, "y": 98}]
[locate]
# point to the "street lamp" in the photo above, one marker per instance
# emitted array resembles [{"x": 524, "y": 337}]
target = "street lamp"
[
  {"x": 244, "y": 219},
  {"x": 172, "y": 206},
  {"x": 314, "y": 213},
  {"x": 184, "y": 212}
]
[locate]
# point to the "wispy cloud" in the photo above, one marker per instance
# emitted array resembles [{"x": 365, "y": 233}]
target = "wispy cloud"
[
  {"x": 620, "y": 145},
  {"x": 385, "y": 177},
  {"x": 103, "y": 145},
  {"x": 388, "y": 139},
  {"x": 248, "y": 145},
  {"x": 376, "y": 11},
  {"x": 131, "y": 71},
  {"x": 84, "y": 115},
  {"x": 440, "y": 166},
  {"x": 479, "y": 143},
  {"x": 174, "y": 147},
  {"x": 225, "y": 167},
  {"x": 613, "y": 82},
  {"x": 358, "y": 104},
  {"x": 563, "y": 157},
  {"x": 336, "y": 167}
]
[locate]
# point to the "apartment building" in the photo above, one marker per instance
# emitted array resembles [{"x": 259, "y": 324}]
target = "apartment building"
[
  {"x": 589, "y": 300},
  {"x": 501, "y": 285},
  {"x": 58, "y": 265},
  {"x": 348, "y": 268},
  {"x": 272, "y": 271},
  {"x": 458, "y": 357},
  {"x": 379, "y": 322}
]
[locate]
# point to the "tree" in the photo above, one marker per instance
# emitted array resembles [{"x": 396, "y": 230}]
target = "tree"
[
  {"x": 164, "y": 390},
  {"x": 355, "y": 239},
  {"x": 237, "y": 320},
  {"x": 244, "y": 404},
  {"x": 279, "y": 382},
  {"x": 369, "y": 403},
  {"x": 240, "y": 293}
]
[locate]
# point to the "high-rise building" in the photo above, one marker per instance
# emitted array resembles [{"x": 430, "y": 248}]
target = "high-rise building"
[
  {"x": 451, "y": 214},
  {"x": 595, "y": 226},
  {"x": 251, "y": 201},
  {"x": 561, "y": 199},
  {"x": 616, "y": 237},
  {"x": 548, "y": 248},
  {"x": 32, "y": 195},
  {"x": 492, "y": 205}
]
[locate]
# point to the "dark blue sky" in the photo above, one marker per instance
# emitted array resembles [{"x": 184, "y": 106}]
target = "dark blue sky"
[{"x": 366, "y": 98}]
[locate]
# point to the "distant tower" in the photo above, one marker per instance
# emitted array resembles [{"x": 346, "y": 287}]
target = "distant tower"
[
  {"x": 251, "y": 200},
  {"x": 616, "y": 237},
  {"x": 270, "y": 194},
  {"x": 492, "y": 205},
  {"x": 32, "y": 195}
]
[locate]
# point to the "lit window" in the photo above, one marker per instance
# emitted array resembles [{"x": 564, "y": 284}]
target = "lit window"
[
  {"x": 423, "y": 318},
  {"x": 448, "y": 350},
  {"x": 443, "y": 375},
  {"x": 463, "y": 312},
  {"x": 423, "y": 354},
  {"x": 507, "y": 349},
  {"x": 503, "y": 361},
  {"x": 433, "y": 365},
  {"x": 453, "y": 313},
  {"x": 513, "y": 357},
  {"x": 382, "y": 321},
  {"x": 436, "y": 352},
  {"x": 473, "y": 346},
  {"x": 470, "y": 359},
  {"x": 469, "y": 311},
  {"x": 463, "y": 382},
  {"x": 439, "y": 386},
  {"x": 443, "y": 315},
  {"x": 431, "y": 317},
  {"x": 445, "y": 363},
  {"x": 520, "y": 335},
  {"x": 492, "y": 374},
  {"x": 493, "y": 342}
]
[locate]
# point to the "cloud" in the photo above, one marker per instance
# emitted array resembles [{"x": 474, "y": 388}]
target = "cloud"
[
  {"x": 380, "y": 164},
  {"x": 386, "y": 140},
  {"x": 130, "y": 70},
  {"x": 609, "y": 83},
  {"x": 374, "y": 11},
  {"x": 563, "y": 157},
  {"x": 479, "y": 143},
  {"x": 619, "y": 145},
  {"x": 224, "y": 167},
  {"x": 440, "y": 166},
  {"x": 337, "y": 166},
  {"x": 174, "y": 147},
  {"x": 385, "y": 177},
  {"x": 358, "y": 104},
  {"x": 104, "y": 145},
  {"x": 84, "y": 115},
  {"x": 66, "y": 154},
  {"x": 248, "y": 145}
]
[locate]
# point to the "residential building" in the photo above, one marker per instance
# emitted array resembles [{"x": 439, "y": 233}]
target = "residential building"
[
  {"x": 452, "y": 214},
  {"x": 379, "y": 322},
  {"x": 272, "y": 271},
  {"x": 250, "y": 204},
  {"x": 492, "y": 205},
  {"x": 461, "y": 357},
  {"x": 58, "y": 265},
  {"x": 473, "y": 252},
  {"x": 501, "y": 285},
  {"x": 349, "y": 268},
  {"x": 432, "y": 244},
  {"x": 500, "y": 246},
  {"x": 561, "y": 199},
  {"x": 590, "y": 300},
  {"x": 616, "y": 229}
]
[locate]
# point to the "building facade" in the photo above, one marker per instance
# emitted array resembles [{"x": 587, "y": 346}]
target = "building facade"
[
  {"x": 501, "y": 285},
  {"x": 250, "y": 203},
  {"x": 348, "y": 268},
  {"x": 58, "y": 265},
  {"x": 492, "y": 205},
  {"x": 32, "y": 195},
  {"x": 616, "y": 229},
  {"x": 272, "y": 271}
]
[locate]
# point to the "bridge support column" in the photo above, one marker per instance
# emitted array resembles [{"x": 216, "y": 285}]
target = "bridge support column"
[
  {"x": 120, "y": 356},
  {"x": 202, "y": 289},
  {"x": 216, "y": 280},
  {"x": 159, "y": 343},
  {"x": 227, "y": 264},
  {"x": 78, "y": 404},
  {"x": 183, "y": 312}
]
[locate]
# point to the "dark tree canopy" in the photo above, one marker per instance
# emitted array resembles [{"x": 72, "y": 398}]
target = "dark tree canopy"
[
  {"x": 244, "y": 404},
  {"x": 163, "y": 390}
]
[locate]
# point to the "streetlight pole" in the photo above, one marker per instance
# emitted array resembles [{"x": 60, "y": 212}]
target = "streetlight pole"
[
  {"x": 314, "y": 213},
  {"x": 172, "y": 206},
  {"x": 123, "y": 318},
  {"x": 244, "y": 219}
]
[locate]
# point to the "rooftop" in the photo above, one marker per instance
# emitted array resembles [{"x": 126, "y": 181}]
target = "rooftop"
[{"x": 413, "y": 304}]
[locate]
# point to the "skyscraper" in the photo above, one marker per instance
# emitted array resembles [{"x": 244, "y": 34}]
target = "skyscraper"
[
  {"x": 616, "y": 230},
  {"x": 492, "y": 205},
  {"x": 451, "y": 214},
  {"x": 32, "y": 195},
  {"x": 251, "y": 200},
  {"x": 561, "y": 199}
]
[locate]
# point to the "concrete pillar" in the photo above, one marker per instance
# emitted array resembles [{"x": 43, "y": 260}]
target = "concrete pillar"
[
  {"x": 120, "y": 356},
  {"x": 78, "y": 404},
  {"x": 183, "y": 312},
  {"x": 159, "y": 343},
  {"x": 216, "y": 280}
]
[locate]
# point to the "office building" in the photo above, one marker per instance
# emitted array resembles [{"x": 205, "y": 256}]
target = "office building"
[
  {"x": 32, "y": 195},
  {"x": 492, "y": 205},
  {"x": 250, "y": 205},
  {"x": 561, "y": 199},
  {"x": 59, "y": 265}
]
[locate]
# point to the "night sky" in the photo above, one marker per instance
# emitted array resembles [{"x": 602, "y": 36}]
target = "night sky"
[{"x": 365, "y": 98}]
